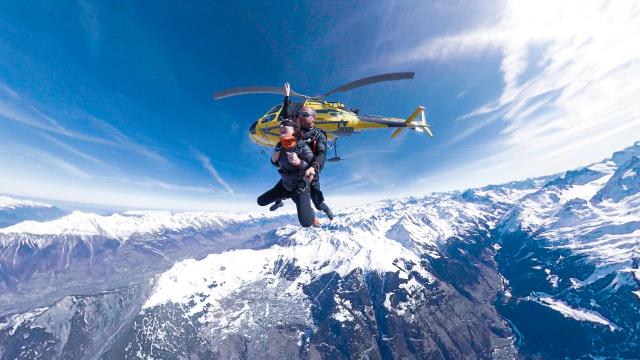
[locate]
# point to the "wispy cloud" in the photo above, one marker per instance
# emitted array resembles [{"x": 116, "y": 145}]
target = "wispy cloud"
[
  {"x": 570, "y": 71},
  {"x": 77, "y": 152},
  {"x": 15, "y": 108},
  {"x": 52, "y": 160},
  {"x": 119, "y": 139},
  {"x": 206, "y": 163},
  {"x": 7, "y": 90},
  {"x": 159, "y": 184}
]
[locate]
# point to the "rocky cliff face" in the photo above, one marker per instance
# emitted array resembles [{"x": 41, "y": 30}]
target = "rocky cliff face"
[{"x": 546, "y": 267}]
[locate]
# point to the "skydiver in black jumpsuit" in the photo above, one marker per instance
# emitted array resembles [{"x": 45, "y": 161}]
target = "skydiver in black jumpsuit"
[
  {"x": 317, "y": 140},
  {"x": 292, "y": 157}
]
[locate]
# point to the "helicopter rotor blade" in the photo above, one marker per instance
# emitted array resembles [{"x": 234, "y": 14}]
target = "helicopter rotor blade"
[
  {"x": 253, "y": 90},
  {"x": 370, "y": 80}
]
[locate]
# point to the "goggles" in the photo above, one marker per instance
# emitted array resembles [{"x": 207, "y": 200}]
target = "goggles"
[
  {"x": 288, "y": 142},
  {"x": 304, "y": 114}
]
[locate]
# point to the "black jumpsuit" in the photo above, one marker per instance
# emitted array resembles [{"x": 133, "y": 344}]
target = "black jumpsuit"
[
  {"x": 319, "y": 155},
  {"x": 292, "y": 184}
]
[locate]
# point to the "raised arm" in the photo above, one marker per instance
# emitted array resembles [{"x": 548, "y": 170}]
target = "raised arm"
[{"x": 285, "y": 105}]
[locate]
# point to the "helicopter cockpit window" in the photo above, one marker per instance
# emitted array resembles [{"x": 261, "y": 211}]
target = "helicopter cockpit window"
[
  {"x": 272, "y": 113},
  {"x": 275, "y": 109}
]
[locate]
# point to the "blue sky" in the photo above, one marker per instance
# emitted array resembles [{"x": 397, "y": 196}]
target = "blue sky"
[{"x": 111, "y": 103}]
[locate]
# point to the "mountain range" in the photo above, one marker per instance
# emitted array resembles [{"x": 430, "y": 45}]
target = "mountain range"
[{"x": 547, "y": 267}]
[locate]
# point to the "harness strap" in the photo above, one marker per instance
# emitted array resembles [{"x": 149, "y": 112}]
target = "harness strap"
[{"x": 313, "y": 139}]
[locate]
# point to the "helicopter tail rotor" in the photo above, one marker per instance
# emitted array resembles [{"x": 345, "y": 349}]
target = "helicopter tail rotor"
[{"x": 420, "y": 126}]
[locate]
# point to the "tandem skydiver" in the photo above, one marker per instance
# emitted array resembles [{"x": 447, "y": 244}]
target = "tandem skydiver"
[
  {"x": 292, "y": 157},
  {"x": 317, "y": 140}
]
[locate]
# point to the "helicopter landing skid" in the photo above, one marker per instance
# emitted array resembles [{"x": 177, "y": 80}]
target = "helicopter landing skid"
[{"x": 335, "y": 152}]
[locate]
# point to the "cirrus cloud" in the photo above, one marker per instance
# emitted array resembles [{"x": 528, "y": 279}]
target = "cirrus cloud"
[{"x": 570, "y": 74}]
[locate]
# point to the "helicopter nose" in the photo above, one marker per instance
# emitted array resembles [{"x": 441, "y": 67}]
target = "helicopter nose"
[{"x": 252, "y": 129}]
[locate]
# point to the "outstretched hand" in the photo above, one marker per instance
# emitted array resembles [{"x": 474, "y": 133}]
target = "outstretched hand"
[
  {"x": 309, "y": 174},
  {"x": 294, "y": 159},
  {"x": 287, "y": 89}
]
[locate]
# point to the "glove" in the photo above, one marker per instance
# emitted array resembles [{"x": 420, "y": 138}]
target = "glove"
[{"x": 316, "y": 167}]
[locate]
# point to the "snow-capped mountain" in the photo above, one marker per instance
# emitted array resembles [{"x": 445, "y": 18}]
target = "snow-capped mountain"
[
  {"x": 13, "y": 211},
  {"x": 571, "y": 254},
  {"x": 83, "y": 253},
  {"x": 390, "y": 266},
  {"x": 544, "y": 267}
]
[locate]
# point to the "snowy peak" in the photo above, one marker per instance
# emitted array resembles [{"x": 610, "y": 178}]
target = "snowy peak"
[
  {"x": 391, "y": 236},
  {"x": 533, "y": 211},
  {"x": 13, "y": 211},
  {"x": 90, "y": 253},
  {"x": 580, "y": 176},
  {"x": 592, "y": 211},
  {"x": 624, "y": 183},
  {"x": 11, "y": 203},
  {"x": 623, "y": 156},
  {"x": 122, "y": 226},
  {"x": 307, "y": 253}
]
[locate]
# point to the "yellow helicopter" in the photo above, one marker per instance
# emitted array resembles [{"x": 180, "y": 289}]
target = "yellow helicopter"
[{"x": 332, "y": 117}]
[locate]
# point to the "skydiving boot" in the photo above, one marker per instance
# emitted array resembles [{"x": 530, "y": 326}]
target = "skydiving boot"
[
  {"x": 326, "y": 210},
  {"x": 276, "y": 205}
]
